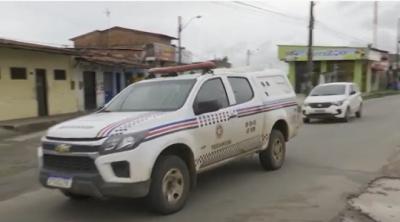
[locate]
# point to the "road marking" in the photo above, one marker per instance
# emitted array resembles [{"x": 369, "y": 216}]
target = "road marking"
[{"x": 26, "y": 136}]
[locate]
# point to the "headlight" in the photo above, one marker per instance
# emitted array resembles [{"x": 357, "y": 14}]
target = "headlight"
[
  {"x": 305, "y": 104},
  {"x": 118, "y": 143},
  {"x": 338, "y": 103}
]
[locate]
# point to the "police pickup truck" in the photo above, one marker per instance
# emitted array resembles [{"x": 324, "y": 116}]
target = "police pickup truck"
[{"x": 153, "y": 138}]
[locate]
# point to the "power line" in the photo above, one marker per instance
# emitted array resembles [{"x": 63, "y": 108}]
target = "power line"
[
  {"x": 270, "y": 11},
  {"x": 296, "y": 18}
]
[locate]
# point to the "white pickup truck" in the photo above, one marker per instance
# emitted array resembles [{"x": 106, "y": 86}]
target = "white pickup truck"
[{"x": 153, "y": 138}]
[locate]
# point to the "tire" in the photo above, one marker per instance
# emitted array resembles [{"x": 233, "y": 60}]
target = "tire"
[
  {"x": 359, "y": 112},
  {"x": 306, "y": 120},
  {"x": 346, "y": 117},
  {"x": 270, "y": 158},
  {"x": 170, "y": 185},
  {"x": 74, "y": 196}
]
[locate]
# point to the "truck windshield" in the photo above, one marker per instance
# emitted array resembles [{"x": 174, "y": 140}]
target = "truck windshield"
[
  {"x": 328, "y": 90},
  {"x": 152, "y": 96}
]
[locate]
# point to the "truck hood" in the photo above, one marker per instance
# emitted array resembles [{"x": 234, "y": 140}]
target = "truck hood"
[
  {"x": 103, "y": 124},
  {"x": 323, "y": 99}
]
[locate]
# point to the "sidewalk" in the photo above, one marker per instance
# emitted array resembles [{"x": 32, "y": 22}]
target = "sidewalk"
[{"x": 36, "y": 123}]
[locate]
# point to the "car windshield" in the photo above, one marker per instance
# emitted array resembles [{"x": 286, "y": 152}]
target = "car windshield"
[
  {"x": 328, "y": 90},
  {"x": 152, "y": 96}
]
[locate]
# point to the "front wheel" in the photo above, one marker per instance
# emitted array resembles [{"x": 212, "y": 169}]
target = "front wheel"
[
  {"x": 273, "y": 157},
  {"x": 359, "y": 112},
  {"x": 306, "y": 120},
  {"x": 346, "y": 117},
  {"x": 169, "y": 187}
]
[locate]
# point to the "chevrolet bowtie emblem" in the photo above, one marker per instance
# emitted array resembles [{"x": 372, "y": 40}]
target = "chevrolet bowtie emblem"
[{"x": 62, "y": 148}]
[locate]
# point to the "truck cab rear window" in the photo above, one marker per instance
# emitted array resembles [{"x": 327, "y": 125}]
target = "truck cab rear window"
[{"x": 241, "y": 88}]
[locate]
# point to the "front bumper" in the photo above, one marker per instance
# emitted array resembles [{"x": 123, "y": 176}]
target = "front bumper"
[
  {"x": 324, "y": 113},
  {"x": 92, "y": 184}
]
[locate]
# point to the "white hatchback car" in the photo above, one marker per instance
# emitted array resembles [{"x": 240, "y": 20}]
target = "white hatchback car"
[{"x": 333, "y": 100}]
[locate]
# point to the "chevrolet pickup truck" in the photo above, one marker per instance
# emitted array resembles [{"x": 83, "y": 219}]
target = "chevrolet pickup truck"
[{"x": 157, "y": 135}]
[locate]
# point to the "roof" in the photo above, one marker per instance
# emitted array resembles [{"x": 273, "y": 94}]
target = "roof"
[
  {"x": 335, "y": 46},
  {"x": 124, "y": 29},
  {"x": 112, "y": 57},
  {"x": 324, "y": 46},
  {"x": 34, "y": 47}
]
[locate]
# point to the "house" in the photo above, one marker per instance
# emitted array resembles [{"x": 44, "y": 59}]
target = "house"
[
  {"x": 365, "y": 66},
  {"x": 35, "y": 80},
  {"x": 113, "y": 58}
]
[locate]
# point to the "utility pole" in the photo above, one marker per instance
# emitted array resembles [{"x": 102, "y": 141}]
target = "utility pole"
[
  {"x": 179, "y": 40},
  {"x": 248, "y": 54},
  {"x": 397, "y": 44},
  {"x": 375, "y": 26},
  {"x": 310, "y": 66},
  {"x": 108, "y": 15},
  {"x": 397, "y": 67}
]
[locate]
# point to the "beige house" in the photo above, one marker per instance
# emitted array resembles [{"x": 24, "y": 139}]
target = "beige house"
[{"x": 35, "y": 80}]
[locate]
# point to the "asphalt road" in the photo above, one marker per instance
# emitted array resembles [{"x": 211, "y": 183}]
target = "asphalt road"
[{"x": 325, "y": 163}]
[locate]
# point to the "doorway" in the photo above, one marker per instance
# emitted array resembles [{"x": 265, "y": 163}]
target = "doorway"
[
  {"x": 89, "y": 90},
  {"x": 41, "y": 91}
]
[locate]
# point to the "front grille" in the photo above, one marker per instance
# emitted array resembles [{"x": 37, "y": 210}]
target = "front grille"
[
  {"x": 73, "y": 148},
  {"x": 320, "y": 105},
  {"x": 69, "y": 163}
]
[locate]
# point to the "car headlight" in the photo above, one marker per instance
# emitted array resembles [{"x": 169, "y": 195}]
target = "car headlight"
[
  {"x": 118, "y": 143},
  {"x": 338, "y": 103},
  {"x": 305, "y": 104}
]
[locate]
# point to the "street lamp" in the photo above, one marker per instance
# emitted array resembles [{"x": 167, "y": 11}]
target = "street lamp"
[{"x": 180, "y": 29}]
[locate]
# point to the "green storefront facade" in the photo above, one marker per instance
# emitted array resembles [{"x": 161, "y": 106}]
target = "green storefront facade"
[{"x": 364, "y": 66}]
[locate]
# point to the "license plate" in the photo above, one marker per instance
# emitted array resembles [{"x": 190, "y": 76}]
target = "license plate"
[
  {"x": 60, "y": 182},
  {"x": 319, "y": 111}
]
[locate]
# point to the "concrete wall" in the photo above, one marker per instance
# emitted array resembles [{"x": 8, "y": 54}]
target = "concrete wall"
[{"x": 18, "y": 97}]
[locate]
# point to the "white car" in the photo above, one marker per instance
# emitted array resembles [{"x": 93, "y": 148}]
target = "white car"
[
  {"x": 156, "y": 136},
  {"x": 333, "y": 100}
]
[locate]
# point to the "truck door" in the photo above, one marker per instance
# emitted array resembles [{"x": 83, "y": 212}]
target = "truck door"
[
  {"x": 250, "y": 119},
  {"x": 216, "y": 134}
]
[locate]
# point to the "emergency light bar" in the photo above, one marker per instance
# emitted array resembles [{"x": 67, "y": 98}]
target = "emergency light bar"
[{"x": 205, "y": 66}]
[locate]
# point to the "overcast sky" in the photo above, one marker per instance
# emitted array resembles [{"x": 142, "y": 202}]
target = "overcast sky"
[{"x": 225, "y": 29}]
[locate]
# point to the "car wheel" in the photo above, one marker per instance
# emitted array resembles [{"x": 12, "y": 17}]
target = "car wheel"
[
  {"x": 74, "y": 196},
  {"x": 346, "y": 117},
  {"x": 273, "y": 157},
  {"x": 306, "y": 120},
  {"x": 359, "y": 112},
  {"x": 169, "y": 187}
]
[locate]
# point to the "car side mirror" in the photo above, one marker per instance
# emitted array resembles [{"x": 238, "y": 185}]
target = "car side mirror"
[
  {"x": 353, "y": 92},
  {"x": 206, "y": 107}
]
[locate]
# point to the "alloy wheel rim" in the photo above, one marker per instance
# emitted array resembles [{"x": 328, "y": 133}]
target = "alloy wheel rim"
[{"x": 172, "y": 185}]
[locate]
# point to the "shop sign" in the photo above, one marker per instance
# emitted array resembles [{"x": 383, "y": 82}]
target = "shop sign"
[{"x": 325, "y": 54}]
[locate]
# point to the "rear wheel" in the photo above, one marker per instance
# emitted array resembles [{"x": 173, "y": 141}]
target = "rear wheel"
[
  {"x": 169, "y": 186},
  {"x": 74, "y": 196},
  {"x": 359, "y": 112},
  {"x": 273, "y": 157}
]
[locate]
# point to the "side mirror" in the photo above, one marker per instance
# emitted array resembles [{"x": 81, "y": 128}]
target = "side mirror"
[
  {"x": 206, "y": 107},
  {"x": 353, "y": 92}
]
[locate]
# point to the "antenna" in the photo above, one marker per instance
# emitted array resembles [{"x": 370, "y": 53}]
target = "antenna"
[{"x": 107, "y": 12}]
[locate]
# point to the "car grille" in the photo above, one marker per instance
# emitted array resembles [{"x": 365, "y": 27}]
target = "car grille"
[
  {"x": 72, "y": 148},
  {"x": 320, "y": 105},
  {"x": 69, "y": 163}
]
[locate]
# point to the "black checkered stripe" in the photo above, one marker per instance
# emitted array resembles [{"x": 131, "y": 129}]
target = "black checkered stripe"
[
  {"x": 214, "y": 118},
  {"x": 229, "y": 151}
]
